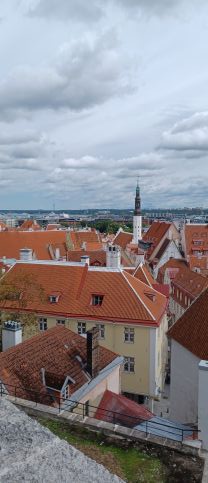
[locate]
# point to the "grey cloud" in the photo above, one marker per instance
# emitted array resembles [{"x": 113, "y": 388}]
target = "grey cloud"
[
  {"x": 82, "y": 10},
  {"x": 84, "y": 74},
  {"x": 189, "y": 134}
]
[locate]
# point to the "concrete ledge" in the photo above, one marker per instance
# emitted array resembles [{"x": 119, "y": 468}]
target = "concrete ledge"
[{"x": 113, "y": 431}]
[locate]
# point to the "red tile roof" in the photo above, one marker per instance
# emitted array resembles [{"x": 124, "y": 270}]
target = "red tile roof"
[
  {"x": 142, "y": 273},
  {"x": 29, "y": 225},
  {"x": 120, "y": 409},
  {"x": 91, "y": 239},
  {"x": 97, "y": 257},
  {"x": 40, "y": 242},
  {"x": 171, "y": 263},
  {"x": 12, "y": 241},
  {"x": 55, "y": 351},
  {"x": 122, "y": 239},
  {"x": 155, "y": 234},
  {"x": 125, "y": 298},
  {"x": 191, "y": 330},
  {"x": 191, "y": 282}
]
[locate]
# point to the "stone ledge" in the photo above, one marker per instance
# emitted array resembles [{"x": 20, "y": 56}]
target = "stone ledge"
[{"x": 109, "y": 429}]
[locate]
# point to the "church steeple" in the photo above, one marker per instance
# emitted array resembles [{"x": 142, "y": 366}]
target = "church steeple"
[
  {"x": 137, "y": 210},
  {"x": 137, "y": 219}
]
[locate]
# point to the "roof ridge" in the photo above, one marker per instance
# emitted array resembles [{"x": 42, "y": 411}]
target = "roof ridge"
[{"x": 137, "y": 295}]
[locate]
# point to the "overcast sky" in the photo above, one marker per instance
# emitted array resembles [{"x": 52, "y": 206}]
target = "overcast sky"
[{"x": 94, "y": 93}]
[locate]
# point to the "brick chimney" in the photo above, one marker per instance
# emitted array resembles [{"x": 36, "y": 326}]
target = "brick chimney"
[{"x": 93, "y": 352}]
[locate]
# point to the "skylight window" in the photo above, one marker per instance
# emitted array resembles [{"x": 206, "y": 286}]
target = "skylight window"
[
  {"x": 97, "y": 300},
  {"x": 53, "y": 299}
]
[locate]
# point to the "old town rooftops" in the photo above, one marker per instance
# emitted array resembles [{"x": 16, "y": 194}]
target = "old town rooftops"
[{"x": 123, "y": 298}]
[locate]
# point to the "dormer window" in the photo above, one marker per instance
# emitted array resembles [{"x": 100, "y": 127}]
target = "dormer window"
[
  {"x": 150, "y": 296},
  {"x": 97, "y": 300},
  {"x": 53, "y": 299}
]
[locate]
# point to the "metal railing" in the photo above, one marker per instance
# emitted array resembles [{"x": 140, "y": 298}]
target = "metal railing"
[{"x": 141, "y": 424}]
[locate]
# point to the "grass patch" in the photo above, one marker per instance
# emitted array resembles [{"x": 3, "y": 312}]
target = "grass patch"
[{"x": 130, "y": 464}]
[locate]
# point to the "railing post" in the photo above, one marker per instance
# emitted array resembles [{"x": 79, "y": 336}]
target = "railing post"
[{"x": 146, "y": 427}]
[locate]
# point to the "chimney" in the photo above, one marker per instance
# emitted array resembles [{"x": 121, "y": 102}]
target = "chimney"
[
  {"x": 26, "y": 254},
  {"x": 85, "y": 259},
  {"x": 113, "y": 256},
  {"x": 57, "y": 253},
  {"x": 93, "y": 352},
  {"x": 84, "y": 246},
  {"x": 11, "y": 334}
]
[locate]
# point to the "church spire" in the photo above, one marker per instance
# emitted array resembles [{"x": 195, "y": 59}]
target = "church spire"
[
  {"x": 137, "y": 218},
  {"x": 137, "y": 210}
]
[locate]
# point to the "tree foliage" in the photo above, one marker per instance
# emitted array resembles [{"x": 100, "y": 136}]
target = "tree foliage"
[{"x": 17, "y": 293}]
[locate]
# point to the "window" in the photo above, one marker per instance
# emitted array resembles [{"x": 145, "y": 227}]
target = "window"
[
  {"x": 97, "y": 299},
  {"x": 87, "y": 407},
  {"x": 66, "y": 392},
  {"x": 81, "y": 328},
  {"x": 128, "y": 335},
  {"x": 60, "y": 322},
  {"x": 43, "y": 324},
  {"x": 101, "y": 329},
  {"x": 129, "y": 364},
  {"x": 53, "y": 299}
]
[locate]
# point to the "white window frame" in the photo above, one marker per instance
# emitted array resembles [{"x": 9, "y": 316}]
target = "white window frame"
[
  {"x": 129, "y": 365},
  {"x": 53, "y": 299},
  {"x": 66, "y": 392},
  {"x": 60, "y": 322},
  {"x": 81, "y": 328},
  {"x": 43, "y": 324},
  {"x": 129, "y": 335},
  {"x": 101, "y": 328}
]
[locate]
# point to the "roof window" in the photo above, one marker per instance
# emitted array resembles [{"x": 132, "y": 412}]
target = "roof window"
[
  {"x": 150, "y": 296},
  {"x": 53, "y": 298},
  {"x": 97, "y": 299}
]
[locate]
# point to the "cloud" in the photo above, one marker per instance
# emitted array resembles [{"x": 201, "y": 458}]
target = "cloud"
[
  {"x": 81, "y": 10},
  {"x": 22, "y": 151},
  {"x": 93, "y": 10},
  {"x": 84, "y": 74},
  {"x": 189, "y": 134}
]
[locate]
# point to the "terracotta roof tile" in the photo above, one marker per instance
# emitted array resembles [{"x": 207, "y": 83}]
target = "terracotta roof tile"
[
  {"x": 171, "y": 263},
  {"x": 190, "y": 281},
  {"x": 122, "y": 239},
  {"x": 155, "y": 234},
  {"x": 124, "y": 297},
  {"x": 55, "y": 351},
  {"x": 191, "y": 330},
  {"x": 142, "y": 273}
]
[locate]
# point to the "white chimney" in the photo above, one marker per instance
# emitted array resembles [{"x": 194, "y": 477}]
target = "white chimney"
[
  {"x": 57, "y": 253},
  {"x": 113, "y": 256},
  {"x": 11, "y": 334},
  {"x": 84, "y": 245},
  {"x": 26, "y": 254},
  {"x": 85, "y": 259}
]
